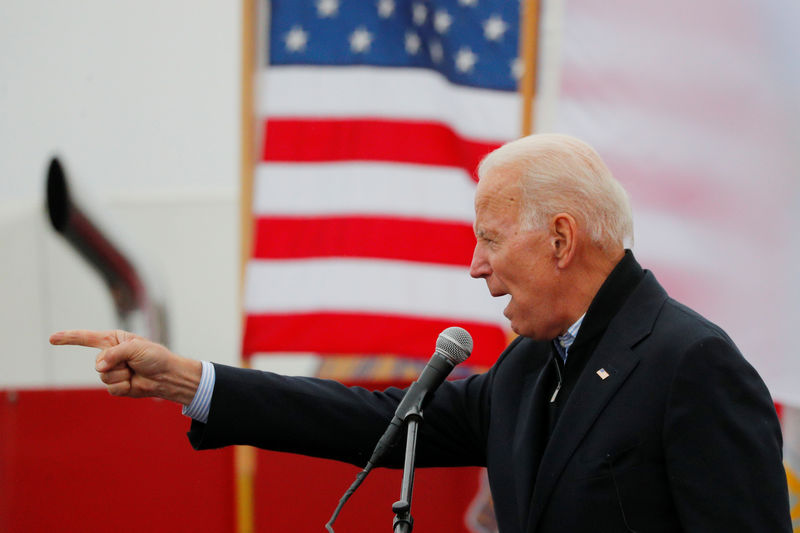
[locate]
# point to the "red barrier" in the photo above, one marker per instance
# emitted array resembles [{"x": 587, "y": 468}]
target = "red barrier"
[
  {"x": 81, "y": 460},
  {"x": 299, "y": 494}
]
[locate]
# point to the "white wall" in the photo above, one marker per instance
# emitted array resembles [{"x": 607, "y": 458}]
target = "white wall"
[{"x": 142, "y": 101}]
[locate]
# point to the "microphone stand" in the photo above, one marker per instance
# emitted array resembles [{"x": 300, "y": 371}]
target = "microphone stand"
[
  {"x": 403, "y": 521},
  {"x": 452, "y": 347}
]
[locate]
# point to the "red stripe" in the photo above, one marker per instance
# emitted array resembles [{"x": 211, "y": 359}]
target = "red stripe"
[
  {"x": 373, "y": 237},
  {"x": 351, "y": 333},
  {"x": 426, "y": 143}
]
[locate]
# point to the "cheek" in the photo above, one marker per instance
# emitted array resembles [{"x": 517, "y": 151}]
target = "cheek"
[{"x": 526, "y": 295}]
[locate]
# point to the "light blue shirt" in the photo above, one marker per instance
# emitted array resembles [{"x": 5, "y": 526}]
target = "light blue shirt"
[
  {"x": 563, "y": 342},
  {"x": 201, "y": 403}
]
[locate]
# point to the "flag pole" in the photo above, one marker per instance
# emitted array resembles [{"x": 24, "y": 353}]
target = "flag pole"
[
  {"x": 245, "y": 456},
  {"x": 528, "y": 53}
]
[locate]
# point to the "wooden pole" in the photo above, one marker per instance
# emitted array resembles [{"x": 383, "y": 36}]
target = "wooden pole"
[
  {"x": 528, "y": 53},
  {"x": 245, "y": 456},
  {"x": 247, "y": 149}
]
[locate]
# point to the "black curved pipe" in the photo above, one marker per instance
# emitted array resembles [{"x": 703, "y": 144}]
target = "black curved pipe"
[{"x": 128, "y": 291}]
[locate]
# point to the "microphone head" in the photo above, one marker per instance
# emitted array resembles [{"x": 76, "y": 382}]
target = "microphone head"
[{"x": 455, "y": 344}]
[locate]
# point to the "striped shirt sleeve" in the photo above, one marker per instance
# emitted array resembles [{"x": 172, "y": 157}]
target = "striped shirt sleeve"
[{"x": 201, "y": 403}]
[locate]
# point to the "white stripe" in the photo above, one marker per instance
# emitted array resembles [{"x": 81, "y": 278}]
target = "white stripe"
[
  {"x": 372, "y": 286},
  {"x": 317, "y": 189},
  {"x": 694, "y": 246},
  {"x": 548, "y": 85},
  {"x": 663, "y": 140},
  {"x": 294, "y": 364},
  {"x": 405, "y": 93},
  {"x": 671, "y": 53}
]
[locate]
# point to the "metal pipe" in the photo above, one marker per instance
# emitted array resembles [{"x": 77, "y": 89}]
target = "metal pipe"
[{"x": 134, "y": 303}]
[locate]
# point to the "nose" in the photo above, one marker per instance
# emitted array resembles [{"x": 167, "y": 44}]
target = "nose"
[{"x": 479, "y": 267}]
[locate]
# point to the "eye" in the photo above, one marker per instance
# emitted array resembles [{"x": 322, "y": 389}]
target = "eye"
[
  {"x": 491, "y": 243},
  {"x": 487, "y": 239}
]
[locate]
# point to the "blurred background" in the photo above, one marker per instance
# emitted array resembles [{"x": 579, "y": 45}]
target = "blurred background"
[{"x": 179, "y": 126}]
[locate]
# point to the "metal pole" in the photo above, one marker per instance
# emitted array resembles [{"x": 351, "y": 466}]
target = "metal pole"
[{"x": 403, "y": 521}]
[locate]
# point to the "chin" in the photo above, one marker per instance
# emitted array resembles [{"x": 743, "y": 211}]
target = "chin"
[
  {"x": 516, "y": 328},
  {"x": 531, "y": 334}
]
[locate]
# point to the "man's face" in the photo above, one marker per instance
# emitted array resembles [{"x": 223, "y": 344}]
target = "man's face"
[{"x": 514, "y": 261}]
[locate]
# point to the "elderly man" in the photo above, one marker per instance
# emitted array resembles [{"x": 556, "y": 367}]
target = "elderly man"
[{"x": 616, "y": 409}]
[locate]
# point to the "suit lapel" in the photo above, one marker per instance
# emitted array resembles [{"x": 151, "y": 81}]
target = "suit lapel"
[
  {"x": 586, "y": 402},
  {"x": 592, "y": 393}
]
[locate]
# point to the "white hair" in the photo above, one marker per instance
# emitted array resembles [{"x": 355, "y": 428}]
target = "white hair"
[{"x": 561, "y": 174}]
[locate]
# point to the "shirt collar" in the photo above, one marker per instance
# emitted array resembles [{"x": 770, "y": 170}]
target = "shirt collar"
[{"x": 563, "y": 342}]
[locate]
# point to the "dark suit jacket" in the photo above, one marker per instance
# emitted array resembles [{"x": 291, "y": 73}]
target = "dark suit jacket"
[{"x": 680, "y": 436}]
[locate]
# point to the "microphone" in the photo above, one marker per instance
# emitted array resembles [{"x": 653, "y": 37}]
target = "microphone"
[{"x": 453, "y": 346}]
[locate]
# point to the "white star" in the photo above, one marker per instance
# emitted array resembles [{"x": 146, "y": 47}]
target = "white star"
[
  {"x": 468, "y": 3},
  {"x": 517, "y": 68},
  {"x": 327, "y": 8},
  {"x": 296, "y": 39},
  {"x": 436, "y": 51},
  {"x": 442, "y": 21},
  {"x": 360, "y": 40},
  {"x": 385, "y": 8},
  {"x": 494, "y": 27},
  {"x": 465, "y": 59},
  {"x": 413, "y": 43},
  {"x": 419, "y": 13}
]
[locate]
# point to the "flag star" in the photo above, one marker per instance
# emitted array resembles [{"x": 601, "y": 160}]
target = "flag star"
[
  {"x": 517, "y": 68},
  {"x": 442, "y": 21},
  {"x": 360, "y": 40},
  {"x": 436, "y": 51},
  {"x": 419, "y": 13},
  {"x": 468, "y": 3},
  {"x": 413, "y": 43},
  {"x": 465, "y": 59},
  {"x": 385, "y": 8},
  {"x": 327, "y": 8},
  {"x": 296, "y": 39},
  {"x": 494, "y": 28}
]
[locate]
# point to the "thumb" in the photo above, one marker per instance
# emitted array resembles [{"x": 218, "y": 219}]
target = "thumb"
[{"x": 116, "y": 355}]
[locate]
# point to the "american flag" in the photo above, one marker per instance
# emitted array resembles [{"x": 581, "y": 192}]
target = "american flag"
[
  {"x": 693, "y": 105},
  {"x": 375, "y": 115}
]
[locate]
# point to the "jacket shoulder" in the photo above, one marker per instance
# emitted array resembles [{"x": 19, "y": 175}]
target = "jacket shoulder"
[{"x": 688, "y": 327}]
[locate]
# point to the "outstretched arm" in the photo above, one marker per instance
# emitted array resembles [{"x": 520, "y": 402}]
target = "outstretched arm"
[{"x": 133, "y": 366}]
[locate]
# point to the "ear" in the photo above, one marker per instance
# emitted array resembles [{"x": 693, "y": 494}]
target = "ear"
[{"x": 563, "y": 238}]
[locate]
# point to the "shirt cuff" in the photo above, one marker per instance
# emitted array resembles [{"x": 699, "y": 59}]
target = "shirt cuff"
[{"x": 201, "y": 403}]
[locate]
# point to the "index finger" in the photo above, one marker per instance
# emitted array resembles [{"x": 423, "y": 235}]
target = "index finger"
[{"x": 89, "y": 338}]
